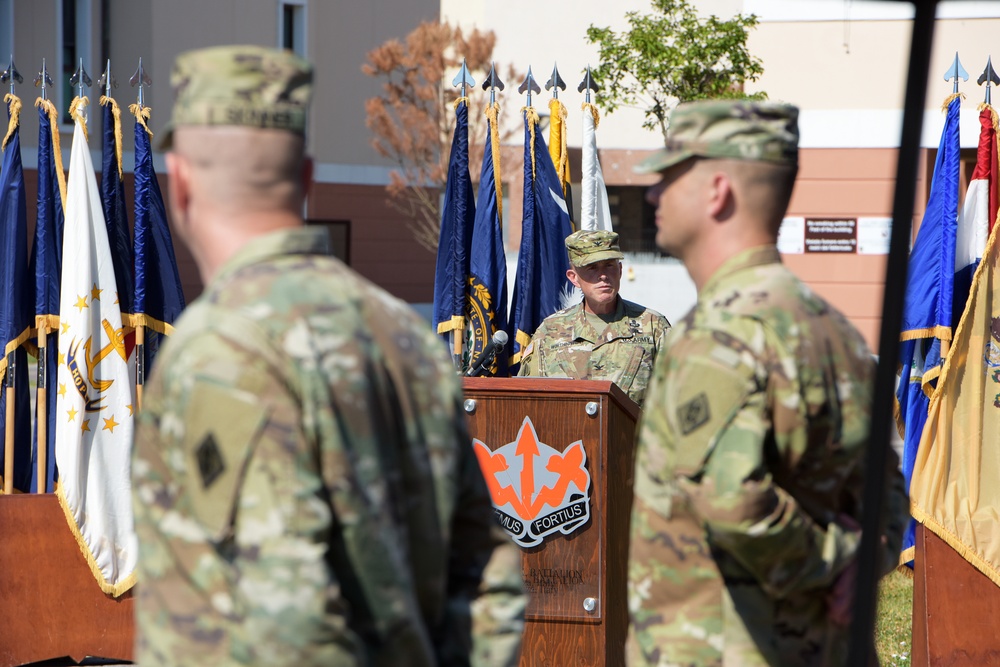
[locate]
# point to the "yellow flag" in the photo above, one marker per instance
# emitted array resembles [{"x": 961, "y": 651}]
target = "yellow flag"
[
  {"x": 557, "y": 142},
  {"x": 955, "y": 491}
]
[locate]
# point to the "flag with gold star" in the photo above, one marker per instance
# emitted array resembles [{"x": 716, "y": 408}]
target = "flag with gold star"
[{"x": 95, "y": 395}]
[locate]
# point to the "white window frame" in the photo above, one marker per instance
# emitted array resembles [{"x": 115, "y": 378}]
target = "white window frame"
[
  {"x": 84, "y": 49},
  {"x": 302, "y": 25},
  {"x": 7, "y": 45}
]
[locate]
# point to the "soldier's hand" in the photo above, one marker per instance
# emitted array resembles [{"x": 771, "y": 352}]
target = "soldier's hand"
[{"x": 840, "y": 599}]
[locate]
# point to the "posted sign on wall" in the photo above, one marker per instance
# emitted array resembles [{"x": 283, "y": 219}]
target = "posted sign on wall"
[
  {"x": 831, "y": 235},
  {"x": 862, "y": 236}
]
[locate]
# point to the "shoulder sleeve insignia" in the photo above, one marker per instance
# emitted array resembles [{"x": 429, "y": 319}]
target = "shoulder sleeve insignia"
[
  {"x": 693, "y": 414},
  {"x": 527, "y": 350},
  {"x": 210, "y": 463}
]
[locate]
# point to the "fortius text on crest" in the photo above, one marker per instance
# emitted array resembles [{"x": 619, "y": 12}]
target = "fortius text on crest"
[{"x": 536, "y": 489}]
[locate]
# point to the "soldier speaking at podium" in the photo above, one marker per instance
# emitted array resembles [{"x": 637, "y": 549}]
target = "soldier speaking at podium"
[{"x": 604, "y": 337}]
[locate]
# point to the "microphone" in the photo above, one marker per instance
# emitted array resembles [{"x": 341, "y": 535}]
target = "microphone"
[{"x": 486, "y": 357}]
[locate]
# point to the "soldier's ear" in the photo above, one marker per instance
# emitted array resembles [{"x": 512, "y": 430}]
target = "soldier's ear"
[
  {"x": 572, "y": 276},
  {"x": 720, "y": 198},
  {"x": 307, "y": 174},
  {"x": 178, "y": 185}
]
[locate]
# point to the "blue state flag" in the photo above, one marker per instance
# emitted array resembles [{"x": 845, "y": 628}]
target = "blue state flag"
[
  {"x": 927, "y": 314},
  {"x": 541, "y": 287},
  {"x": 486, "y": 297},
  {"x": 159, "y": 297},
  {"x": 16, "y": 312},
  {"x": 452, "y": 267},
  {"x": 114, "y": 204},
  {"x": 45, "y": 265}
]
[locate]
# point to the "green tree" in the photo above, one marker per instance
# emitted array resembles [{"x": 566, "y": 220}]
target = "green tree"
[{"x": 673, "y": 55}]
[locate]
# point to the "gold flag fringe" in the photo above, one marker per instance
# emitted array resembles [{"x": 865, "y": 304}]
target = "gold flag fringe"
[
  {"x": 117, "y": 113},
  {"x": 76, "y": 110},
  {"x": 141, "y": 116},
  {"x": 14, "y": 105},
  {"x": 114, "y": 590},
  {"x": 459, "y": 101},
  {"x": 531, "y": 116},
  {"x": 593, "y": 112},
  {"x": 493, "y": 117},
  {"x": 50, "y": 111}
]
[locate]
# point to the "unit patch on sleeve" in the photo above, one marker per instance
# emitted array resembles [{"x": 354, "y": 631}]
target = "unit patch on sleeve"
[{"x": 693, "y": 414}]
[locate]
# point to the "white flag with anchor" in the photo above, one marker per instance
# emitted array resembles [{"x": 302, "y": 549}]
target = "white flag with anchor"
[{"x": 95, "y": 394}]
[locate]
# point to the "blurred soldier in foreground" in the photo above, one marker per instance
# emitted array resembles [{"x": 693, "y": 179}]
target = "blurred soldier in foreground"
[
  {"x": 305, "y": 489},
  {"x": 749, "y": 469},
  {"x": 604, "y": 337}
]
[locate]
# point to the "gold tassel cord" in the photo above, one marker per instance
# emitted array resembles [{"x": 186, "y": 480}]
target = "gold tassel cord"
[
  {"x": 117, "y": 113},
  {"x": 493, "y": 117},
  {"x": 593, "y": 112},
  {"x": 948, "y": 100},
  {"x": 993, "y": 114},
  {"x": 459, "y": 101},
  {"x": 77, "y": 111},
  {"x": 50, "y": 111},
  {"x": 14, "y": 106},
  {"x": 141, "y": 116},
  {"x": 531, "y": 116}
]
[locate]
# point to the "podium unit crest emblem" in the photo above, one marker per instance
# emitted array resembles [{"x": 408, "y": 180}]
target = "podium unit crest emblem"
[{"x": 536, "y": 489}]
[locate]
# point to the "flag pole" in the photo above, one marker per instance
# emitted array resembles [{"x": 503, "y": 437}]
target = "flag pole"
[
  {"x": 139, "y": 79},
  {"x": 8, "y": 446}
]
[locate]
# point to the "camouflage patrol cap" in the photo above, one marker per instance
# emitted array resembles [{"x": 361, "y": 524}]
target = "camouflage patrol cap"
[
  {"x": 249, "y": 85},
  {"x": 733, "y": 129},
  {"x": 589, "y": 246}
]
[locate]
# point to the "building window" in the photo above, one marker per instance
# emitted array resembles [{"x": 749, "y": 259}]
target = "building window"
[
  {"x": 339, "y": 232},
  {"x": 75, "y": 37},
  {"x": 292, "y": 26},
  {"x": 6, "y": 33}
]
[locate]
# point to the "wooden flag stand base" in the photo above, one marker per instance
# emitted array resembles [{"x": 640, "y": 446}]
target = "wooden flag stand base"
[
  {"x": 954, "y": 607},
  {"x": 50, "y": 604}
]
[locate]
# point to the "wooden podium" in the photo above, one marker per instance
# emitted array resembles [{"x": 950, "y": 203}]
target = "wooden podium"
[
  {"x": 50, "y": 604},
  {"x": 569, "y": 509}
]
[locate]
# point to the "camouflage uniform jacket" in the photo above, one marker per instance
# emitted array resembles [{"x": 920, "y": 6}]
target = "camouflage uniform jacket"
[
  {"x": 748, "y": 483},
  {"x": 305, "y": 489},
  {"x": 567, "y": 345}
]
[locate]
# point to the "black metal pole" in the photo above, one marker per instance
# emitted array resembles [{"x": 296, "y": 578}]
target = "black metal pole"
[{"x": 862, "y": 628}]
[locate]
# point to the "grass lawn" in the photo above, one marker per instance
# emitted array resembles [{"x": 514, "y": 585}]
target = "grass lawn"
[{"x": 893, "y": 618}]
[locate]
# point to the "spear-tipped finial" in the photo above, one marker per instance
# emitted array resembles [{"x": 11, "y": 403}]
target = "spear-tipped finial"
[
  {"x": 140, "y": 78},
  {"x": 493, "y": 83},
  {"x": 588, "y": 84},
  {"x": 107, "y": 81},
  {"x": 555, "y": 82},
  {"x": 11, "y": 75},
  {"x": 43, "y": 80},
  {"x": 989, "y": 76},
  {"x": 464, "y": 79},
  {"x": 530, "y": 85},
  {"x": 80, "y": 79},
  {"x": 956, "y": 71}
]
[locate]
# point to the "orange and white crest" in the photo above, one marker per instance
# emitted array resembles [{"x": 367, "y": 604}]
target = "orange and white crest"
[{"x": 536, "y": 489}]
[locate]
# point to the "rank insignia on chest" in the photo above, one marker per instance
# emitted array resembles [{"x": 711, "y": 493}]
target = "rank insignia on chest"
[{"x": 693, "y": 414}]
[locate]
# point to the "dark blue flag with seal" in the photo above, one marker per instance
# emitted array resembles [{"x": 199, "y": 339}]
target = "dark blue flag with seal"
[
  {"x": 927, "y": 312},
  {"x": 159, "y": 297},
  {"x": 114, "y": 204},
  {"x": 486, "y": 298},
  {"x": 16, "y": 312},
  {"x": 541, "y": 287},
  {"x": 452, "y": 267},
  {"x": 46, "y": 267}
]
